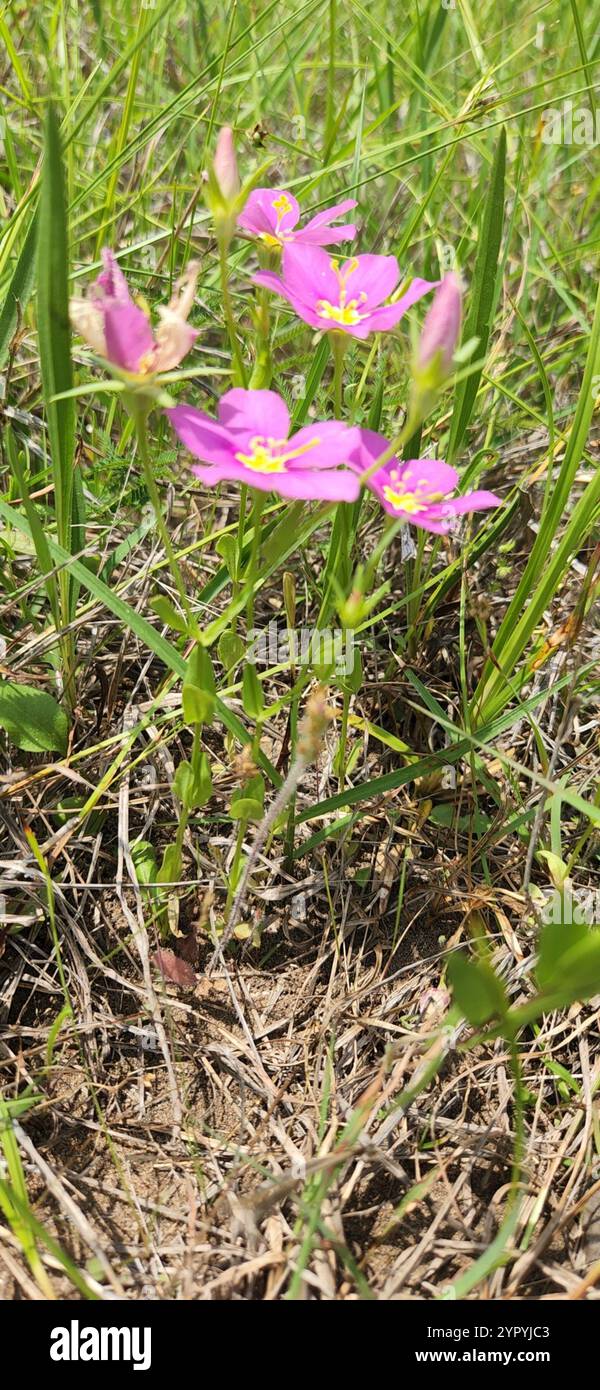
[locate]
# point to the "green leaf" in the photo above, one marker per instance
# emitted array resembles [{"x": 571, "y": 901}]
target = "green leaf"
[
  {"x": 226, "y": 547},
  {"x": 54, "y": 329},
  {"x": 193, "y": 783},
  {"x": 248, "y": 802},
  {"x": 32, "y": 719},
  {"x": 231, "y": 649},
  {"x": 253, "y": 699},
  {"x": 548, "y": 561},
  {"x": 19, "y": 290},
  {"x": 477, "y": 990},
  {"x": 569, "y": 958},
  {"x": 170, "y": 869},
  {"x": 144, "y": 861},
  {"x": 483, "y": 294},
  {"x": 199, "y": 688},
  {"x": 167, "y": 612}
]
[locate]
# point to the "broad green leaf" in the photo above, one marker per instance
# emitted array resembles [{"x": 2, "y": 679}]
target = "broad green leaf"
[
  {"x": 556, "y": 941},
  {"x": 170, "y": 869},
  {"x": 144, "y": 861},
  {"x": 477, "y": 990},
  {"x": 199, "y": 688},
  {"x": 253, "y": 698},
  {"x": 247, "y": 802},
  {"x": 167, "y": 612},
  {"x": 193, "y": 783},
  {"x": 32, "y": 719},
  {"x": 230, "y": 648}
]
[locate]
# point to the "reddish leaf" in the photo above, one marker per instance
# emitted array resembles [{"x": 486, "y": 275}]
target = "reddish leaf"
[{"x": 173, "y": 968}]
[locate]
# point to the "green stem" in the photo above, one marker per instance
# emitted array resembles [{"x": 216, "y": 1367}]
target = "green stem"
[
  {"x": 141, "y": 419},
  {"x": 338, "y": 343},
  {"x": 239, "y": 374},
  {"x": 258, "y": 502},
  {"x": 235, "y": 867},
  {"x": 343, "y": 742}
]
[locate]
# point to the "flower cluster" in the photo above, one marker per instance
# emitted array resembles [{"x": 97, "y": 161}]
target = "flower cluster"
[{"x": 250, "y": 441}]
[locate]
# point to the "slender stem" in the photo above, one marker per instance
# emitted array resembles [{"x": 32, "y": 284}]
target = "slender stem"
[
  {"x": 343, "y": 742},
  {"x": 141, "y": 418},
  {"x": 240, "y": 377},
  {"x": 234, "y": 873},
  {"x": 258, "y": 502},
  {"x": 338, "y": 343},
  {"x": 331, "y": 76},
  {"x": 263, "y": 367}
]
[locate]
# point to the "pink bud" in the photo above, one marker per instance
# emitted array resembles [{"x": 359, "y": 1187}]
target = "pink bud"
[
  {"x": 225, "y": 164},
  {"x": 442, "y": 324}
]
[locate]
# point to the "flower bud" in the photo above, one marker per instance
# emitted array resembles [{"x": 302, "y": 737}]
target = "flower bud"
[
  {"x": 441, "y": 329},
  {"x": 225, "y": 165}
]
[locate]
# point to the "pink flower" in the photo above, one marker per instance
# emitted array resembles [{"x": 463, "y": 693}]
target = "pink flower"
[
  {"x": 272, "y": 215},
  {"x": 441, "y": 329},
  {"x": 120, "y": 331},
  {"x": 225, "y": 164},
  {"x": 250, "y": 443},
  {"x": 416, "y": 491},
  {"x": 346, "y": 296}
]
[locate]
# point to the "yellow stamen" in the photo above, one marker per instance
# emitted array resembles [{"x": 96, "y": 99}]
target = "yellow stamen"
[
  {"x": 282, "y": 205},
  {"x": 403, "y": 501},
  {"x": 262, "y": 459},
  {"x": 339, "y": 313},
  {"x": 269, "y": 240},
  {"x": 346, "y": 313}
]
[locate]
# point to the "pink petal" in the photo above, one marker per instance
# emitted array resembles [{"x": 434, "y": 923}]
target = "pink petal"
[
  {"x": 254, "y": 412},
  {"x": 390, "y": 314},
  {"x": 271, "y": 281},
  {"x": 300, "y": 307},
  {"x": 367, "y": 447},
  {"x": 472, "y": 502},
  {"x": 328, "y": 215},
  {"x": 427, "y": 476},
  {"x": 318, "y": 230},
  {"x": 305, "y": 484},
  {"x": 260, "y": 216},
  {"x": 225, "y": 164},
  {"x": 331, "y": 442},
  {"x": 128, "y": 333},
  {"x": 375, "y": 277},
  {"x": 111, "y": 280},
  {"x": 307, "y": 274},
  {"x": 201, "y": 435},
  {"x": 174, "y": 338},
  {"x": 329, "y": 236},
  {"x": 441, "y": 329}
]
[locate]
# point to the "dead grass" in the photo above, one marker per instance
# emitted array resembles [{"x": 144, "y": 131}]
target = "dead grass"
[{"x": 180, "y": 1144}]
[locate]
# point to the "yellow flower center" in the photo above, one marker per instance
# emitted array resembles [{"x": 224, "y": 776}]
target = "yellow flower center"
[
  {"x": 347, "y": 311},
  {"x": 403, "y": 501},
  {"x": 276, "y": 241},
  {"x": 281, "y": 206},
  {"x": 146, "y": 364},
  {"x": 264, "y": 459},
  {"x": 413, "y": 501}
]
